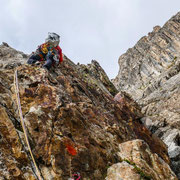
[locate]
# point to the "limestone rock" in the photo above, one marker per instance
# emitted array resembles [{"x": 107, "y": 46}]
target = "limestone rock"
[
  {"x": 153, "y": 56},
  {"x": 74, "y": 122},
  {"x": 150, "y": 73},
  {"x": 99, "y": 76},
  {"x": 10, "y": 58},
  {"x": 138, "y": 162},
  {"x": 122, "y": 171}
]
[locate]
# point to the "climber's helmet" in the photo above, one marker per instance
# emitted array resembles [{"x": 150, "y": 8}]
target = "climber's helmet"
[{"x": 53, "y": 39}]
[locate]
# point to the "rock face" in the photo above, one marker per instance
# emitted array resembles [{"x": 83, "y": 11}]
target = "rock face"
[
  {"x": 138, "y": 162},
  {"x": 150, "y": 73},
  {"x": 73, "y": 120},
  {"x": 10, "y": 58}
]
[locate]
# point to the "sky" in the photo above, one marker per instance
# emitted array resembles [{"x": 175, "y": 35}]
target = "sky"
[{"x": 99, "y": 30}]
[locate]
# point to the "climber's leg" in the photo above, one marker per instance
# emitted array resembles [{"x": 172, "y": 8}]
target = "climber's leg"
[
  {"x": 34, "y": 58},
  {"x": 49, "y": 61}
]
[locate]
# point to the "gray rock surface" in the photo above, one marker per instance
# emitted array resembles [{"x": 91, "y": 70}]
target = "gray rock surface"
[
  {"x": 150, "y": 73},
  {"x": 10, "y": 58}
]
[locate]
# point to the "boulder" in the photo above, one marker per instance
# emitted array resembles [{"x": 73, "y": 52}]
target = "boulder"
[{"x": 138, "y": 162}]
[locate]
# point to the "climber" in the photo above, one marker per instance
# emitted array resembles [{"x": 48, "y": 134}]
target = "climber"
[{"x": 50, "y": 52}]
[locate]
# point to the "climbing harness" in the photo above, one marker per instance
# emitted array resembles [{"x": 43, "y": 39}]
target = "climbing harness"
[{"x": 16, "y": 87}]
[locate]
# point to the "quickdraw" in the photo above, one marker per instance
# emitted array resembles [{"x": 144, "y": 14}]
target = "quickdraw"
[{"x": 16, "y": 87}]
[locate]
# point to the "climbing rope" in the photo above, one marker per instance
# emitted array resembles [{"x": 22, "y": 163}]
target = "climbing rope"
[{"x": 16, "y": 87}]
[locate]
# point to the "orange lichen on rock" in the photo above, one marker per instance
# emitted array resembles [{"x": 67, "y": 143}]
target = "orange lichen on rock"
[
  {"x": 71, "y": 150},
  {"x": 70, "y": 147}
]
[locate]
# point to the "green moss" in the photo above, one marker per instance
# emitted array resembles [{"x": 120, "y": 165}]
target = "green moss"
[
  {"x": 142, "y": 174},
  {"x": 131, "y": 163},
  {"x": 139, "y": 170}
]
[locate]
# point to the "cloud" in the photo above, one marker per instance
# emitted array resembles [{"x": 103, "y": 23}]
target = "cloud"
[{"x": 89, "y": 29}]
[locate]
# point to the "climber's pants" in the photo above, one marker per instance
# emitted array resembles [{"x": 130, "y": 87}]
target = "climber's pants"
[
  {"x": 34, "y": 58},
  {"x": 48, "y": 63},
  {"x": 49, "y": 60}
]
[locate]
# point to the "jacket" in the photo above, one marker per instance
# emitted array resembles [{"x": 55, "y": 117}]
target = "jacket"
[{"x": 45, "y": 48}]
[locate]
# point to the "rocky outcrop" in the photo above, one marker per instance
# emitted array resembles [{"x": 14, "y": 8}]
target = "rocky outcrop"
[
  {"x": 73, "y": 120},
  {"x": 10, "y": 58},
  {"x": 138, "y": 162},
  {"x": 150, "y": 73}
]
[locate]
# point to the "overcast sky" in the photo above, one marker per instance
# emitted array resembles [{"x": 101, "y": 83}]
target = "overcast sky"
[{"x": 89, "y": 29}]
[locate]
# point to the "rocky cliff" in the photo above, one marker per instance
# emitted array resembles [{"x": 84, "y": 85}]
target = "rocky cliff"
[
  {"x": 150, "y": 73},
  {"x": 74, "y": 124}
]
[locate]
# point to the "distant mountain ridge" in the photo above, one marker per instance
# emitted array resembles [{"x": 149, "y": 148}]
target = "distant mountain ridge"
[{"x": 150, "y": 73}]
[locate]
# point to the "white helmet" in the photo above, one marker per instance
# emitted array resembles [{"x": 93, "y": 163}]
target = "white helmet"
[{"x": 53, "y": 39}]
